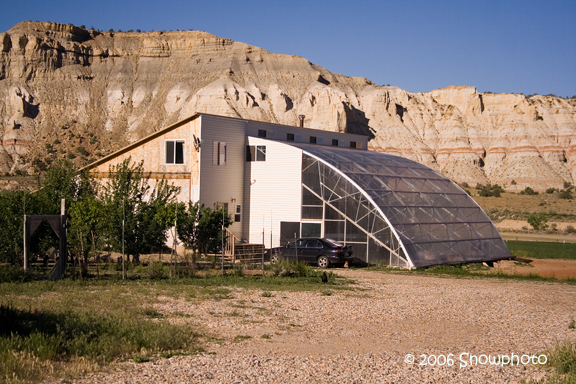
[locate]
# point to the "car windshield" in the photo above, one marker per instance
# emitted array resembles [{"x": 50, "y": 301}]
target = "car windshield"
[{"x": 333, "y": 242}]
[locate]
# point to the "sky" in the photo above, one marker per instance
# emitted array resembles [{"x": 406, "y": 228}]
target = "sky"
[{"x": 504, "y": 46}]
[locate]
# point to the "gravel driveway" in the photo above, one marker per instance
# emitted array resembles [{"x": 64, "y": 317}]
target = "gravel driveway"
[{"x": 363, "y": 335}]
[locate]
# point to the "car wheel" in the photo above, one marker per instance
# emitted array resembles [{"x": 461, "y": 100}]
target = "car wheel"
[
  {"x": 323, "y": 261},
  {"x": 275, "y": 258}
]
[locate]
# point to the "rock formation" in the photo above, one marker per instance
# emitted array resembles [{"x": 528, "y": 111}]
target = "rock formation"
[{"x": 70, "y": 92}]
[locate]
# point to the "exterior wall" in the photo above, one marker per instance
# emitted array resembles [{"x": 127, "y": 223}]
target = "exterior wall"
[
  {"x": 185, "y": 176},
  {"x": 273, "y": 190},
  {"x": 223, "y": 183},
  {"x": 279, "y": 132}
]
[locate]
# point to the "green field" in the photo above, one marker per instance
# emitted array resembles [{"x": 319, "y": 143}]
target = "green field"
[{"x": 542, "y": 250}]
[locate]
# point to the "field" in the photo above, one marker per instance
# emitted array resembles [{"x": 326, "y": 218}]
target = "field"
[
  {"x": 292, "y": 329},
  {"x": 542, "y": 250}
]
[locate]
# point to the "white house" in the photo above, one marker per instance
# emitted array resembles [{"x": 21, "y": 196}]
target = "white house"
[{"x": 281, "y": 182}]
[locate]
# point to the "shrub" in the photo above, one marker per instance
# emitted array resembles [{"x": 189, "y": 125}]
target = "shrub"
[
  {"x": 551, "y": 190},
  {"x": 565, "y": 195},
  {"x": 528, "y": 191},
  {"x": 570, "y": 229},
  {"x": 489, "y": 190},
  {"x": 538, "y": 221}
]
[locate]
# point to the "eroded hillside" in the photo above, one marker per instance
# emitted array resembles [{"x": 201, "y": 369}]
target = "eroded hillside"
[{"x": 79, "y": 94}]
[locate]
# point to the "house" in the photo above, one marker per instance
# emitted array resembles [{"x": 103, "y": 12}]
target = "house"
[{"x": 280, "y": 182}]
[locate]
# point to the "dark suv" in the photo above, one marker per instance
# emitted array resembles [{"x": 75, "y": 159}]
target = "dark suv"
[{"x": 313, "y": 250}]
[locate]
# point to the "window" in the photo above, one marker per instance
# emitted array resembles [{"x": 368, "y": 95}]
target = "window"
[
  {"x": 352, "y": 144},
  {"x": 290, "y": 136},
  {"x": 237, "y": 215},
  {"x": 174, "y": 151},
  {"x": 320, "y": 140},
  {"x": 219, "y": 153},
  {"x": 334, "y": 142},
  {"x": 312, "y": 139},
  {"x": 255, "y": 153},
  {"x": 359, "y": 145},
  {"x": 262, "y": 133},
  {"x": 298, "y": 138},
  {"x": 260, "y": 153}
]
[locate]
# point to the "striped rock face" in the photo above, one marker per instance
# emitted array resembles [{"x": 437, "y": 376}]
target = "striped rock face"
[{"x": 63, "y": 88}]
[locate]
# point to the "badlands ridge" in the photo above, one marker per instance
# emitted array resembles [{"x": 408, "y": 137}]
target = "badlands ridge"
[{"x": 60, "y": 84}]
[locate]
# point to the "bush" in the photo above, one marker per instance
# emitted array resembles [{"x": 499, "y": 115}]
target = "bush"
[
  {"x": 529, "y": 191},
  {"x": 538, "y": 221},
  {"x": 551, "y": 190},
  {"x": 565, "y": 195},
  {"x": 489, "y": 190}
]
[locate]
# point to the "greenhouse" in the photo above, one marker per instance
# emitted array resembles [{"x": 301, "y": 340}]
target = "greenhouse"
[{"x": 394, "y": 211}]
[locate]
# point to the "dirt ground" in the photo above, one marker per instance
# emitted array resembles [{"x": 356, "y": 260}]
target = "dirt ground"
[
  {"x": 364, "y": 334},
  {"x": 558, "y": 268}
]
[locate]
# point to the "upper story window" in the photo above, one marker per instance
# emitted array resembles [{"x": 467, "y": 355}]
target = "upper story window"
[
  {"x": 312, "y": 139},
  {"x": 219, "y": 153},
  {"x": 175, "y": 151},
  {"x": 320, "y": 140},
  {"x": 290, "y": 137},
  {"x": 334, "y": 142},
  {"x": 352, "y": 144},
  {"x": 255, "y": 153},
  {"x": 262, "y": 133}
]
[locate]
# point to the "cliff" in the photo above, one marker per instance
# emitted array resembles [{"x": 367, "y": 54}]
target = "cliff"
[{"x": 76, "y": 93}]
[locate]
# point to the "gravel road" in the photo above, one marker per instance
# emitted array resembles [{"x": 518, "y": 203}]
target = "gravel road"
[{"x": 363, "y": 335}]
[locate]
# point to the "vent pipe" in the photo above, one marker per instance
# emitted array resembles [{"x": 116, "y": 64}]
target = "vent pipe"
[{"x": 301, "y": 117}]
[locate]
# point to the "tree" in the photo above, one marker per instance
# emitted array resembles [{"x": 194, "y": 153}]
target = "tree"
[
  {"x": 200, "y": 228},
  {"x": 129, "y": 199},
  {"x": 63, "y": 181},
  {"x": 538, "y": 221},
  {"x": 85, "y": 232}
]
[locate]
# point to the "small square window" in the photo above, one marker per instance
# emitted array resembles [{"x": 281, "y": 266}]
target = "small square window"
[
  {"x": 290, "y": 136},
  {"x": 174, "y": 152},
  {"x": 352, "y": 144},
  {"x": 298, "y": 138},
  {"x": 334, "y": 142},
  {"x": 255, "y": 153},
  {"x": 262, "y": 133},
  {"x": 312, "y": 139},
  {"x": 261, "y": 153},
  {"x": 238, "y": 213},
  {"x": 320, "y": 140}
]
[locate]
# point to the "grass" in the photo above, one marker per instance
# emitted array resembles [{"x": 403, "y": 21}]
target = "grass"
[
  {"x": 562, "y": 363},
  {"x": 542, "y": 250},
  {"x": 69, "y": 327},
  {"x": 471, "y": 270}
]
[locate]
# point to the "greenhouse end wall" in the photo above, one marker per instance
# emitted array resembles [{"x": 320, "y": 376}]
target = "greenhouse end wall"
[{"x": 394, "y": 211}]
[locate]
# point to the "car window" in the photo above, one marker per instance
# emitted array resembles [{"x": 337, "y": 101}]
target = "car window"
[
  {"x": 333, "y": 242},
  {"x": 313, "y": 244},
  {"x": 300, "y": 243}
]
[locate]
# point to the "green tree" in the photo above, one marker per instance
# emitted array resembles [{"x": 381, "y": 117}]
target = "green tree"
[
  {"x": 200, "y": 227},
  {"x": 63, "y": 181},
  {"x": 85, "y": 230},
  {"x": 538, "y": 221},
  {"x": 128, "y": 198}
]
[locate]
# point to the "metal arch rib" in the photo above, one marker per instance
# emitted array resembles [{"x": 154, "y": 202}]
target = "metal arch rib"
[{"x": 409, "y": 261}]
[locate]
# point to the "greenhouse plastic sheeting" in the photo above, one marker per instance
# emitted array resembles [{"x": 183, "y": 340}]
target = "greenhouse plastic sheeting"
[{"x": 397, "y": 211}]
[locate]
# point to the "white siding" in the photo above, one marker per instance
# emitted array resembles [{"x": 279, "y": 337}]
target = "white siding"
[
  {"x": 222, "y": 183},
  {"x": 273, "y": 190}
]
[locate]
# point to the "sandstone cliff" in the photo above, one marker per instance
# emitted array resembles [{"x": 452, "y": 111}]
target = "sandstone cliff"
[{"x": 70, "y": 92}]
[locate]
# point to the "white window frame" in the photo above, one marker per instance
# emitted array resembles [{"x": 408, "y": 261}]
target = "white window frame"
[{"x": 174, "y": 141}]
